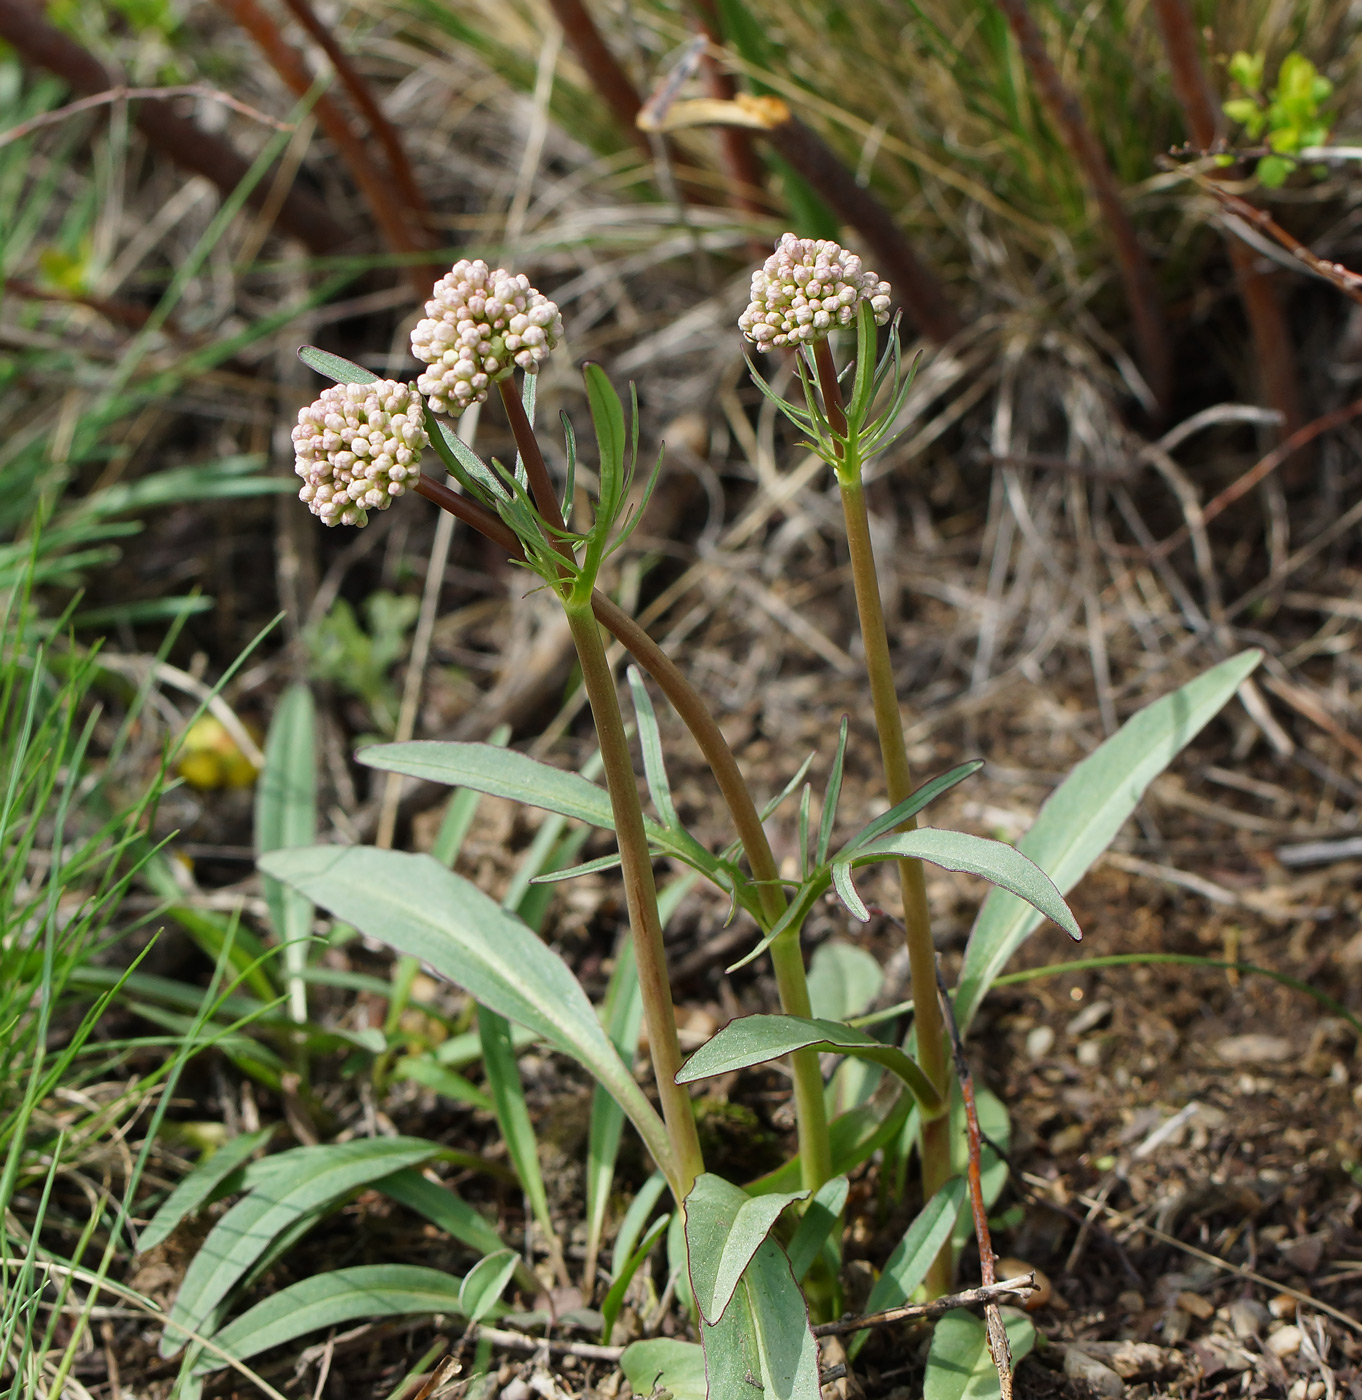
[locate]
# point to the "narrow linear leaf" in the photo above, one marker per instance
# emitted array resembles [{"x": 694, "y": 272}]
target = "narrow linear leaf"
[
  {"x": 1083, "y": 815},
  {"x": 286, "y": 815},
  {"x": 434, "y": 1076},
  {"x": 327, "y": 1300},
  {"x": 831, "y": 797},
  {"x": 816, "y": 1224},
  {"x": 650, "y": 741},
  {"x": 631, "y": 1227},
  {"x": 614, "y": 1299}
]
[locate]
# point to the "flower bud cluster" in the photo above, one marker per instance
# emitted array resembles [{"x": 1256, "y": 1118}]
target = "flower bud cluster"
[
  {"x": 804, "y": 289},
  {"x": 481, "y": 323},
  {"x": 357, "y": 448}
]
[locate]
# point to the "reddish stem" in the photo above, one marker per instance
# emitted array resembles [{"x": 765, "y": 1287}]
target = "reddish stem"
[
  {"x": 1267, "y": 323},
  {"x": 288, "y": 63},
  {"x": 920, "y": 292},
  {"x": 364, "y": 99},
  {"x": 1151, "y": 335},
  {"x": 44, "y": 45}
]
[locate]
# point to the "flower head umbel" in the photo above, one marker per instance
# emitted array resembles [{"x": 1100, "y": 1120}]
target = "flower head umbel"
[
  {"x": 480, "y": 324},
  {"x": 804, "y": 289},
  {"x": 357, "y": 447}
]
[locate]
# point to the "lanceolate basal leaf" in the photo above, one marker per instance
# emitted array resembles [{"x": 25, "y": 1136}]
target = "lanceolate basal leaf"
[
  {"x": 328, "y": 1300},
  {"x": 997, "y": 862},
  {"x": 763, "y": 1341},
  {"x": 485, "y": 1283},
  {"x": 1085, "y": 812},
  {"x": 317, "y": 1177},
  {"x": 201, "y": 1185},
  {"x": 753, "y": 1040},
  {"x": 416, "y": 906},
  {"x": 816, "y": 1224},
  {"x": 959, "y": 1366},
  {"x": 443, "y": 1207},
  {"x": 913, "y": 1255},
  {"x": 724, "y": 1228}
]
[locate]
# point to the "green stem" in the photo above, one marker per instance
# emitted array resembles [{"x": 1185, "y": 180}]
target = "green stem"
[
  {"x": 640, "y": 892},
  {"x": 931, "y": 1042},
  {"x": 815, "y": 1150}
]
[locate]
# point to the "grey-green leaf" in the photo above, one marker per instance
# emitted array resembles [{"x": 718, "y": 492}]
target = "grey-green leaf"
[
  {"x": 913, "y": 1255},
  {"x": 485, "y": 1283},
  {"x": 316, "y": 1178},
  {"x": 335, "y": 367},
  {"x": 1083, "y": 815},
  {"x": 911, "y": 805},
  {"x": 996, "y": 861},
  {"x": 415, "y": 905},
  {"x": 443, "y": 1207},
  {"x": 843, "y": 980},
  {"x": 286, "y": 815},
  {"x": 200, "y": 1185},
  {"x": 958, "y": 1364},
  {"x": 724, "y": 1228},
  {"x": 500, "y": 772},
  {"x": 753, "y": 1040},
  {"x": 666, "y": 1364},
  {"x": 763, "y": 1340},
  {"x": 816, "y": 1224},
  {"x": 327, "y": 1300}
]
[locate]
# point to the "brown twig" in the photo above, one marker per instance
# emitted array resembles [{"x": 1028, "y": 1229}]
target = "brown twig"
[
  {"x": 1267, "y": 323},
  {"x": 603, "y": 68},
  {"x": 1151, "y": 335},
  {"x": 189, "y": 146},
  {"x": 998, "y": 1346},
  {"x": 374, "y": 115},
  {"x": 1260, "y": 470},
  {"x": 987, "y": 1295},
  {"x": 138, "y": 94},
  {"x": 288, "y": 63}
]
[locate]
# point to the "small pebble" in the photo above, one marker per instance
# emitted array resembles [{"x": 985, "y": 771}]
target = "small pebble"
[
  {"x": 1080, "y": 1366},
  {"x": 1301, "y": 1389},
  {"x": 1089, "y": 1017},
  {"x": 1283, "y": 1305},
  {"x": 1285, "y": 1341},
  {"x": 1176, "y": 1325},
  {"x": 1200, "y": 1308},
  {"x": 1130, "y": 1301},
  {"x": 1247, "y": 1317},
  {"x": 1089, "y": 1054},
  {"x": 1040, "y": 1042}
]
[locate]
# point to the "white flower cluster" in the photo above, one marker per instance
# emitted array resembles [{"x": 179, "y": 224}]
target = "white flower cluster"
[
  {"x": 804, "y": 289},
  {"x": 480, "y": 324},
  {"x": 357, "y": 447}
]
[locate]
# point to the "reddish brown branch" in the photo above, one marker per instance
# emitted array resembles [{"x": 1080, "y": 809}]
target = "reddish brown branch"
[
  {"x": 923, "y": 299},
  {"x": 1267, "y": 323},
  {"x": 189, "y": 146},
  {"x": 363, "y": 98},
  {"x": 1151, "y": 336},
  {"x": 1005, "y": 1290},
  {"x": 288, "y": 63},
  {"x": 603, "y": 68},
  {"x": 998, "y": 1346}
]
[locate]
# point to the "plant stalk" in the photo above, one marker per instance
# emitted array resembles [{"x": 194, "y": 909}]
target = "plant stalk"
[
  {"x": 640, "y": 892},
  {"x": 931, "y": 1039},
  {"x": 786, "y": 957}
]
